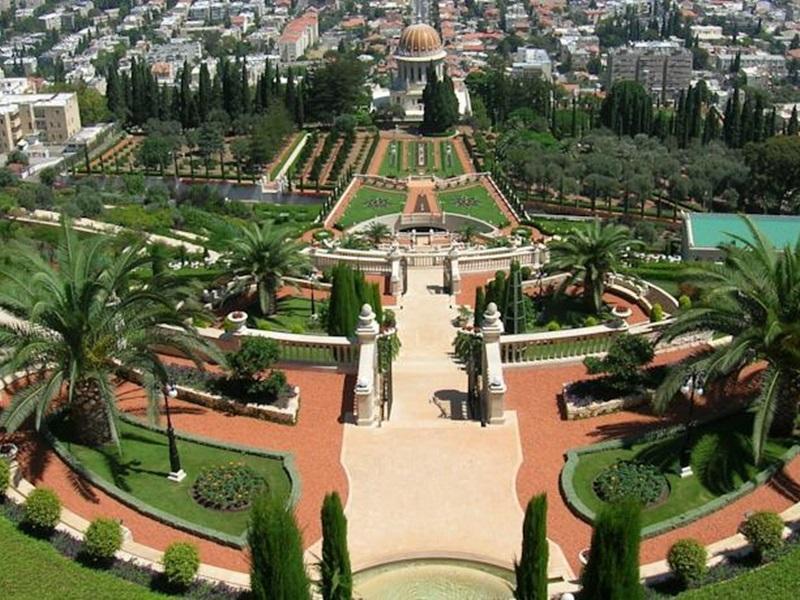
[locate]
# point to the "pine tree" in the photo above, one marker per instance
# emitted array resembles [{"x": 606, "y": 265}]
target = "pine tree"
[
  {"x": 277, "y": 570},
  {"x": 337, "y": 579},
  {"x": 531, "y": 570},
  {"x": 612, "y": 572}
]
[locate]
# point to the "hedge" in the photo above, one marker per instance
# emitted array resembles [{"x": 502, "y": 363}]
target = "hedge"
[
  {"x": 287, "y": 460},
  {"x": 585, "y": 513}
]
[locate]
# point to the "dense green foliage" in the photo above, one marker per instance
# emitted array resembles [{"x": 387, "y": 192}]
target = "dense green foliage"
[
  {"x": 337, "y": 578},
  {"x": 42, "y": 509},
  {"x": 687, "y": 561},
  {"x": 764, "y": 530},
  {"x": 633, "y": 480},
  {"x": 531, "y": 569},
  {"x": 440, "y": 103},
  {"x": 181, "y": 562},
  {"x": 102, "y": 539},
  {"x": 624, "y": 362},
  {"x": 515, "y": 317},
  {"x": 627, "y": 109},
  {"x": 255, "y": 355},
  {"x": 350, "y": 291},
  {"x": 612, "y": 572},
  {"x": 277, "y": 571},
  {"x": 5, "y": 477}
]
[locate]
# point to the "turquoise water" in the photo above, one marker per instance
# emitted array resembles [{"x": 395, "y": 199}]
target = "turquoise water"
[
  {"x": 711, "y": 230},
  {"x": 433, "y": 580}
]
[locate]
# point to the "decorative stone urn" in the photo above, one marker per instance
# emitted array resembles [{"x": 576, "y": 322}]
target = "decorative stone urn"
[{"x": 236, "y": 321}]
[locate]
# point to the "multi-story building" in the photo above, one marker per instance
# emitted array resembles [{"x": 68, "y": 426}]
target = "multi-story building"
[
  {"x": 56, "y": 117},
  {"x": 661, "y": 67},
  {"x": 773, "y": 64},
  {"x": 532, "y": 61},
  {"x": 298, "y": 35}
]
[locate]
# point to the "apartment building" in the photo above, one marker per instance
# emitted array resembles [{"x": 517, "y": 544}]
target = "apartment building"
[
  {"x": 298, "y": 35},
  {"x": 661, "y": 67},
  {"x": 56, "y": 117}
]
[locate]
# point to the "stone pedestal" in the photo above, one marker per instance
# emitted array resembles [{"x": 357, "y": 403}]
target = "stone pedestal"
[
  {"x": 365, "y": 395},
  {"x": 494, "y": 386}
]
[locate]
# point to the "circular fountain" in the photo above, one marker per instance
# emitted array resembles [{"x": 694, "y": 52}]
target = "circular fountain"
[{"x": 434, "y": 579}]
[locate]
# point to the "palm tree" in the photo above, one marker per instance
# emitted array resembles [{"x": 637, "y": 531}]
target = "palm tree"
[
  {"x": 376, "y": 232},
  {"x": 72, "y": 323},
  {"x": 589, "y": 254},
  {"x": 753, "y": 296},
  {"x": 264, "y": 256},
  {"x": 468, "y": 233}
]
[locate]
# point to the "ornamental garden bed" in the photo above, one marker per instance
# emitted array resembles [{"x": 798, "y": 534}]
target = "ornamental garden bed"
[
  {"x": 138, "y": 475},
  {"x": 593, "y": 397},
  {"x": 721, "y": 458}
]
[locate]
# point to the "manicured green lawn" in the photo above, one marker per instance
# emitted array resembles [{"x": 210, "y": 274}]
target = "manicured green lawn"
[
  {"x": 777, "y": 581},
  {"x": 413, "y": 165},
  {"x": 392, "y": 163},
  {"x": 142, "y": 471},
  {"x": 559, "y": 226},
  {"x": 450, "y": 165},
  {"x": 372, "y": 202},
  {"x": 293, "y": 316},
  {"x": 34, "y": 570},
  {"x": 474, "y": 201},
  {"x": 721, "y": 459}
]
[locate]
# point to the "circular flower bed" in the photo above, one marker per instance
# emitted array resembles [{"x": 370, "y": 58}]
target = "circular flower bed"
[
  {"x": 628, "y": 479},
  {"x": 231, "y": 486}
]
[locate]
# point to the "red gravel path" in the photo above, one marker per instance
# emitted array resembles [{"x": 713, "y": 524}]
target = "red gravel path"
[
  {"x": 546, "y": 437},
  {"x": 315, "y": 443}
]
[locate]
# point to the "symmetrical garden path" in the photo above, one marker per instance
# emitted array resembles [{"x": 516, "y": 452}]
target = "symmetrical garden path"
[
  {"x": 418, "y": 188},
  {"x": 426, "y": 484}
]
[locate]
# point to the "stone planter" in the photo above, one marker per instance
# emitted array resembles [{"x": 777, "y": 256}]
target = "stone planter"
[
  {"x": 621, "y": 312},
  {"x": 236, "y": 321},
  {"x": 284, "y": 411},
  {"x": 8, "y": 451},
  {"x": 580, "y": 407}
]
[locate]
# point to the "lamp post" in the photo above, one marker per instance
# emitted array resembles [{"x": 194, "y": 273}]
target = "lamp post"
[
  {"x": 176, "y": 473},
  {"x": 691, "y": 386}
]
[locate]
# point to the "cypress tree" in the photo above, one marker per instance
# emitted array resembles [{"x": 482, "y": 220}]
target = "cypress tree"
[
  {"x": 204, "y": 93},
  {"x": 531, "y": 570},
  {"x": 361, "y": 290},
  {"x": 343, "y": 306},
  {"x": 277, "y": 570},
  {"x": 612, "y": 572},
  {"x": 499, "y": 286},
  {"x": 337, "y": 579},
  {"x": 480, "y": 306},
  {"x": 792, "y": 127},
  {"x": 375, "y": 301},
  {"x": 289, "y": 97},
  {"x": 747, "y": 131},
  {"x": 514, "y": 317},
  {"x": 299, "y": 105}
]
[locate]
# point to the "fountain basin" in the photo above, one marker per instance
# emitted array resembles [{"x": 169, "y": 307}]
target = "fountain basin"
[{"x": 434, "y": 579}]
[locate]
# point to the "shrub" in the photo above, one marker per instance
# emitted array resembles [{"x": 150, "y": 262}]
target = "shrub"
[
  {"x": 5, "y": 476},
  {"x": 255, "y": 355},
  {"x": 526, "y": 273},
  {"x": 553, "y": 326},
  {"x": 684, "y": 302},
  {"x": 590, "y": 321},
  {"x": 656, "y": 313},
  {"x": 613, "y": 567},
  {"x": 231, "y": 486},
  {"x": 764, "y": 530},
  {"x": 531, "y": 570},
  {"x": 277, "y": 569},
  {"x": 624, "y": 362},
  {"x": 181, "y": 562},
  {"x": 103, "y": 538},
  {"x": 627, "y": 479},
  {"x": 270, "y": 389},
  {"x": 687, "y": 561},
  {"x": 389, "y": 318},
  {"x": 42, "y": 509},
  {"x": 335, "y": 572}
]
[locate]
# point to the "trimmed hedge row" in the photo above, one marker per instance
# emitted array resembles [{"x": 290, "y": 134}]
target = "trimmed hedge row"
[
  {"x": 587, "y": 514},
  {"x": 287, "y": 462}
]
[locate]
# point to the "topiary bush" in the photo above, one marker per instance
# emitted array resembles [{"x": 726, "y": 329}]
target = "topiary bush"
[
  {"x": 656, "y": 313},
  {"x": 181, "y": 562},
  {"x": 764, "y": 530},
  {"x": 256, "y": 355},
  {"x": 590, "y": 321},
  {"x": 102, "y": 539},
  {"x": 641, "y": 482},
  {"x": 231, "y": 486},
  {"x": 687, "y": 560},
  {"x": 42, "y": 509},
  {"x": 553, "y": 326},
  {"x": 684, "y": 302}
]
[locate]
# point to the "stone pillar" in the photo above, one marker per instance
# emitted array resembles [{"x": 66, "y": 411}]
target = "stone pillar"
[
  {"x": 396, "y": 280},
  {"x": 453, "y": 278},
  {"x": 365, "y": 391},
  {"x": 494, "y": 386}
]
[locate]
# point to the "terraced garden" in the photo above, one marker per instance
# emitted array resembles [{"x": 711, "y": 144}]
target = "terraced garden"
[
  {"x": 473, "y": 201},
  {"x": 370, "y": 202}
]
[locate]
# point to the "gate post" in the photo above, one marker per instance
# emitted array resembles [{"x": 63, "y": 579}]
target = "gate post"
[
  {"x": 494, "y": 386},
  {"x": 452, "y": 275},
  {"x": 396, "y": 281},
  {"x": 365, "y": 396}
]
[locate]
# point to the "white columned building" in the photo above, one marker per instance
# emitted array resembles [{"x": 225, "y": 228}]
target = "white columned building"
[{"x": 420, "y": 48}]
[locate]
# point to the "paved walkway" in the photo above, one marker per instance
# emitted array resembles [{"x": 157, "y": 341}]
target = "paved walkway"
[
  {"x": 429, "y": 482},
  {"x": 417, "y": 188}
]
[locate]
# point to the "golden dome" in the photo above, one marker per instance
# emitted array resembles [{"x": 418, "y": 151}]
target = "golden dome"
[{"x": 419, "y": 39}]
